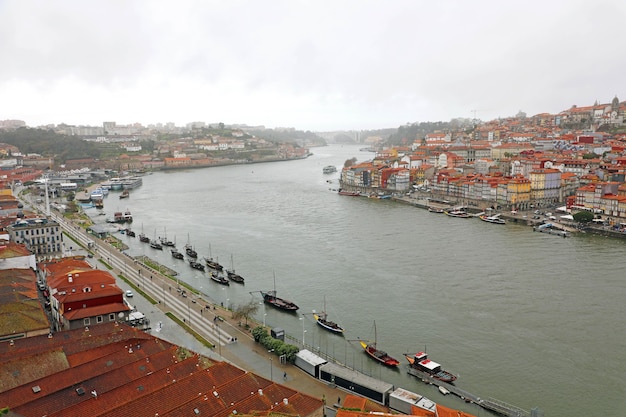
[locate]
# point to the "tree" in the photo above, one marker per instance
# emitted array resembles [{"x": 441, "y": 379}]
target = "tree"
[
  {"x": 246, "y": 311},
  {"x": 583, "y": 216},
  {"x": 349, "y": 162}
]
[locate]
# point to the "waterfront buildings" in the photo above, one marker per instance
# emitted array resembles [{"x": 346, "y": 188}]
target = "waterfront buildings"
[{"x": 40, "y": 235}]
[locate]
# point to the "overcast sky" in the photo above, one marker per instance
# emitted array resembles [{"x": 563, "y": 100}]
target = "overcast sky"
[{"x": 313, "y": 65}]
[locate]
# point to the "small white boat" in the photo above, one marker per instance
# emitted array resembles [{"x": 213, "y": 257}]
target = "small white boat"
[
  {"x": 457, "y": 213},
  {"x": 492, "y": 219},
  {"x": 444, "y": 390}
]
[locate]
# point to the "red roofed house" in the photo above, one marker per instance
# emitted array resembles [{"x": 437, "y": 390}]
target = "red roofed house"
[{"x": 85, "y": 298}]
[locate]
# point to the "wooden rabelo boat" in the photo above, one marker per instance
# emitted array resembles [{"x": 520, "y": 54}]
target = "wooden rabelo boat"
[{"x": 380, "y": 355}]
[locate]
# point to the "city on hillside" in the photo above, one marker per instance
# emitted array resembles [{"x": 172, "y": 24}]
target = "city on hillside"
[{"x": 573, "y": 158}]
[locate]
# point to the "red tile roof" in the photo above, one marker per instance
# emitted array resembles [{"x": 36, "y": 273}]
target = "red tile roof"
[{"x": 116, "y": 370}]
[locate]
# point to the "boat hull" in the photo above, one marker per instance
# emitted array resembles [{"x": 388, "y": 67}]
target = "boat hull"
[
  {"x": 328, "y": 325},
  {"x": 379, "y": 355},
  {"x": 279, "y": 303},
  {"x": 219, "y": 279},
  {"x": 214, "y": 265},
  {"x": 235, "y": 277},
  {"x": 494, "y": 220}
]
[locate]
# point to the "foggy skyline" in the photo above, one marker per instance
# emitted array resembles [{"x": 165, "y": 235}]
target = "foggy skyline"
[{"x": 312, "y": 65}]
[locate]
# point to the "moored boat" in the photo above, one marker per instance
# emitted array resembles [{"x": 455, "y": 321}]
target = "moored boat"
[
  {"x": 235, "y": 277},
  {"x": 495, "y": 219},
  {"x": 322, "y": 320},
  {"x": 97, "y": 194},
  {"x": 211, "y": 263},
  {"x": 421, "y": 362},
  {"x": 457, "y": 213},
  {"x": 435, "y": 210},
  {"x": 124, "y": 194},
  {"x": 377, "y": 354},
  {"x": 219, "y": 278},
  {"x": 128, "y": 183},
  {"x": 119, "y": 217},
  {"x": 232, "y": 275},
  {"x": 269, "y": 297},
  {"x": 130, "y": 233},
  {"x": 349, "y": 193},
  {"x": 142, "y": 237},
  {"x": 176, "y": 254},
  {"x": 329, "y": 169},
  {"x": 196, "y": 265},
  {"x": 154, "y": 244},
  {"x": 190, "y": 251}
]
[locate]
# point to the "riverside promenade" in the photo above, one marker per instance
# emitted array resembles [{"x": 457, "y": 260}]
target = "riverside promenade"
[{"x": 232, "y": 342}]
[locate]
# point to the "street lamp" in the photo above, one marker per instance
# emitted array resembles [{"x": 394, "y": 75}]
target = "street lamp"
[
  {"x": 271, "y": 365},
  {"x": 264, "y": 315},
  {"x": 303, "y": 331}
]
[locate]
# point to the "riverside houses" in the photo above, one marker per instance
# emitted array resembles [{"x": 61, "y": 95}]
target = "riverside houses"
[{"x": 81, "y": 296}]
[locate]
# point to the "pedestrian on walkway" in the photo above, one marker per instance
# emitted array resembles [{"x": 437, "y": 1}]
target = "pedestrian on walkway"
[{"x": 285, "y": 376}]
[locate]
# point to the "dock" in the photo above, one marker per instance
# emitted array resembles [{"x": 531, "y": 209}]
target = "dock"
[{"x": 491, "y": 404}]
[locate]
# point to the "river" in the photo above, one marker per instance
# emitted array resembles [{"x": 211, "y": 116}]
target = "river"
[{"x": 527, "y": 318}]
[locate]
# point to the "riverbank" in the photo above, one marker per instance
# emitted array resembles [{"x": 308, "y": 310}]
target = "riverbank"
[{"x": 558, "y": 227}]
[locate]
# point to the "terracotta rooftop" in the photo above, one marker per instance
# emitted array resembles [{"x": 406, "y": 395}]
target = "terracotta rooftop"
[
  {"x": 117, "y": 370},
  {"x": 12, "y": 250},
  {"x": 20, "y": 309}
]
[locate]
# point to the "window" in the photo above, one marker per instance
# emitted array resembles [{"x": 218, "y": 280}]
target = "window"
[
  {"x": 112, "y": 317},
  {"x": 99, "y": 319},
  {"x": 86, "y": 321}
]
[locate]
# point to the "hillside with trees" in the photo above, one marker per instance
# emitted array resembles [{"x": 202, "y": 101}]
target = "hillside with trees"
[{"x": 49, "y": 143}]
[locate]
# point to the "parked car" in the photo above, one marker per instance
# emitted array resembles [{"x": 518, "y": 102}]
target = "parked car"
[{"x": 129, "y": 293}]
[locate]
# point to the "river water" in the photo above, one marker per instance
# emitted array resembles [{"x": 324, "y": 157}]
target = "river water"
[{"x": 531, "y": 319}]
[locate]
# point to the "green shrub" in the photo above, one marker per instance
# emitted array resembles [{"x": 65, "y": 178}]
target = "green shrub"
[{"x": 278, "y": 347}]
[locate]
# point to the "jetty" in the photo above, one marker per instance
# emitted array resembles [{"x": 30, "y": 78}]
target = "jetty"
[{"x": 491, "y": 404}]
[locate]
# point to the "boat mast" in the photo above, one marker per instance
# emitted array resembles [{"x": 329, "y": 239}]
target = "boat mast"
[{"x": 375, "y": 336}]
